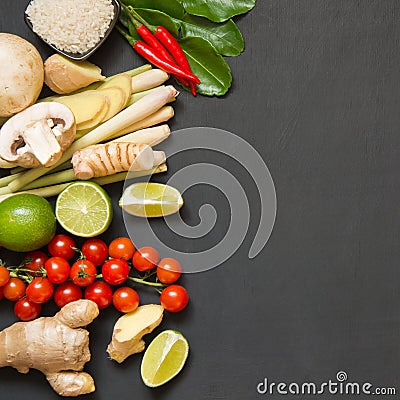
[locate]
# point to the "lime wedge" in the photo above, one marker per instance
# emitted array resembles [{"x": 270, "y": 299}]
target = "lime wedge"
[
  {"x": 84, "y": 209},
  {"x": 149, "y": 200},
  {"x": 164, "y": 358}
]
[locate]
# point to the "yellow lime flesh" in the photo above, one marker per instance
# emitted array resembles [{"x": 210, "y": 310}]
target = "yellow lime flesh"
[
  {"x": 151, "y": 200},
  {"x": 164, "y": 358}
]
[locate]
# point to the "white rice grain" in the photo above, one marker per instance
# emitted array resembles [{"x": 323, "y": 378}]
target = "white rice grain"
[{"x": 74, "y": 26}]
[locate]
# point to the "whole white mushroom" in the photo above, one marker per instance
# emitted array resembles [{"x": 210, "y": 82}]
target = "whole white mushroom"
[{"x": 21, "y": 74}]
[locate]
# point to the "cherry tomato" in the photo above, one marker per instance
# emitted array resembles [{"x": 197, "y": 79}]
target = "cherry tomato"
[
  {"x": 26, "y": 310},
  {"x": 40, "y": 290},
  {"x": 83, "y": 272},
  {"x": 57, "y": 269},
  {"x": 38, "y": 259},
  {"x": 99, "y": 292},
  {"x": 168, "y": 270},
  {"x": 14, "y": 289},
  {"x": 174, "y": 298},
  {"x": 62, "y": 246},
  {"x": 115, "y": 271},
  {"x": 125, "y": 299},
  {"x": 66, "y": 293},
  {"x": 95, "y": 250},
  {"x": 4, "y": 275},
  {"x": 145, "y": 258},
  {"x": 121, "y": 248}
]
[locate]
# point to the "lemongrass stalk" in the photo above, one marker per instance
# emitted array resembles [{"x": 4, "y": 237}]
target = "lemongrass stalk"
[
  {"x": 137, "y": 96},
  {"x": 46, "y": 180},
  {"x": 17, "y": 170},
  {"x": 48, "y": 191},
  {"x": 133, "y": 99},
  {"x": 121, "y": 176},
  {"x": 137, "y": 70},
  {"x": 131, "y": 73},
  {"x": 148, "y": 80},
  {"x": 132, "y": 114},
  {"x": 54, "y": 190},
  {"x": 52, "y": 179},
  {"x": 162, "y": 115},
  {"x": 149, "y": 136},
  {"x": 5, "y": 180},
  {"x": 9, "y": 178},
  {"x": 145, "y": 107},
  {"x": 61, "y": 167},
  {"x": 69, "y": 175}
]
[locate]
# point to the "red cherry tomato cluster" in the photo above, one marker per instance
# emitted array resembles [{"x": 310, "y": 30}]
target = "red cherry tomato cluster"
[{"x": 92, "y": 275}]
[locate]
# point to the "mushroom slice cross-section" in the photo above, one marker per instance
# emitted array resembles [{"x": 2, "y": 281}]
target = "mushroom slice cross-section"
[{"x": 38, "y": 135}]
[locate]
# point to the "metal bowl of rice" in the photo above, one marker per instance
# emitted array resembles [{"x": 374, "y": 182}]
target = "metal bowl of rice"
[{"x": 73, "y": 28}]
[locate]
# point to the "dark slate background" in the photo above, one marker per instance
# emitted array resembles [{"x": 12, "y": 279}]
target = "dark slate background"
[{"x": 317, "y": 92}]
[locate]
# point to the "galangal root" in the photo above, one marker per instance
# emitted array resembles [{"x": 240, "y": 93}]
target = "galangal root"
[
  {"x": 56, "y": 346},
  {"x": 130, "y": 328},
  {"x": 62, "y": 75},
  {"x": 110, "y": 158}
]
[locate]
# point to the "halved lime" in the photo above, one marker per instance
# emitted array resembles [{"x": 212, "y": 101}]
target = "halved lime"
[
  {"x": 84, "y": 209},
  {"x": 164, "y": 358},
  {"x": 149, "y": 200}
]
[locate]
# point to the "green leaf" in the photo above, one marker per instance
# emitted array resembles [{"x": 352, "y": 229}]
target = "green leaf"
[
  {"x": 226, "y": 37},
  {"x": 218, "y": 10},
  {"x": 212, "y": 70},
  {"x": 171, "y": 7},
  {"x": 156, "y": 18}
]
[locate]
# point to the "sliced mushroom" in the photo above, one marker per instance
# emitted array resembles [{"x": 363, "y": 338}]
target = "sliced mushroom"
[{"x": 38, "y": 135}]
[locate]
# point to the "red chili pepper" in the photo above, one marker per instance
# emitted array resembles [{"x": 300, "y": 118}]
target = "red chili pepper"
[
  {"x": 172, "y": 45},
  {"x": 148, "y": 37},
  {"x": 151, "y": 55},
  {"x": 152, "y": 41}
]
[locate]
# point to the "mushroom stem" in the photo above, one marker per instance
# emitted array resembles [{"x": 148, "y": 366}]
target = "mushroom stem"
[{"x": 42, "y": 143}]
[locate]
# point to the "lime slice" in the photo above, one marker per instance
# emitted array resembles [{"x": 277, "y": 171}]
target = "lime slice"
[
  {"x": 149, "y": 200},
  {"x": 84, "y": 209},
  {"x": 164, "y": 358}
]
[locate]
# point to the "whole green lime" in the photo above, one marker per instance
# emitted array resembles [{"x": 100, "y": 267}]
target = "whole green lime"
[{"x": 27, "y": 222}]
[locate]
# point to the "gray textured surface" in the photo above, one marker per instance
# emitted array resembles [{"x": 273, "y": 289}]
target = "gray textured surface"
[{"x": 317, "y": 92}]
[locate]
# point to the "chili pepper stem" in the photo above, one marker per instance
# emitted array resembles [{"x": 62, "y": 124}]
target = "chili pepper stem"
[
  {"x": 133, "y": 15},
  {"x": 128, "y": 37},
  {"x": 136, "y": 23}
]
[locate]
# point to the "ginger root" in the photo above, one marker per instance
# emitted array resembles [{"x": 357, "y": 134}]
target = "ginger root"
[
  {"x": 130, "y": 328},
  {"x": 64, "y": 76},
  {"x": 56, "y": 346},
  {"x": 107, "y": 159}
]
